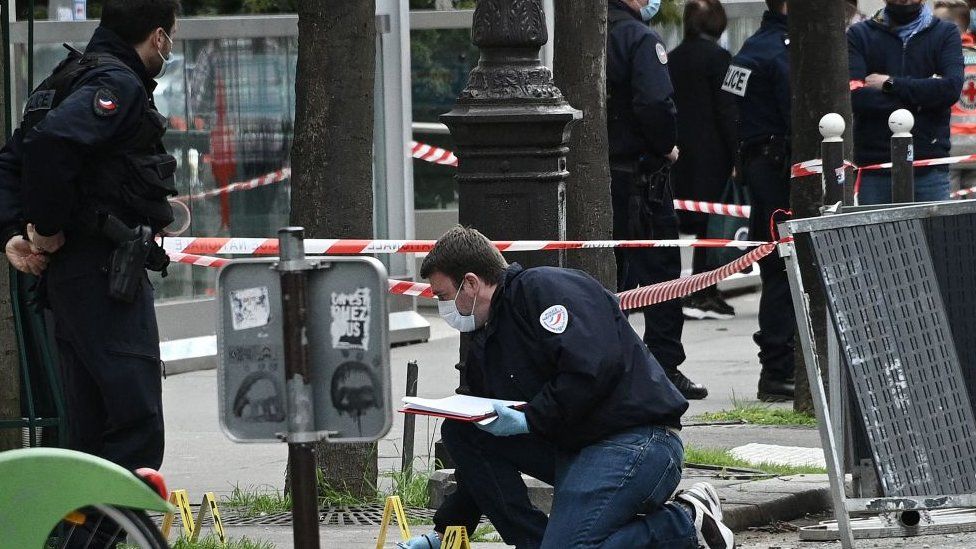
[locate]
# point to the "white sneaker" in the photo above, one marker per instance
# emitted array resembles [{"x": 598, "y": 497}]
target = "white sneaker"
[{"x": 712, "y": 533}]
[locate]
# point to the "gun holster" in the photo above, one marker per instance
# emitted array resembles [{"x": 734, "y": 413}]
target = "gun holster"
[
  {"x": 136, "y": 250},
  {"x": 646, "y": 195}
]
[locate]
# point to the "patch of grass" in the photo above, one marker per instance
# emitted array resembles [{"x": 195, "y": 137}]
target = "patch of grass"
[
  {"x": 252, "y": 501},
  {"x": 759, "y": 414},
  {"x": 723, "y": 458},
  {"x": 341, "y": 496},
  {"x": 211, "y": 542},
  {"x": 485, "y": 533},
  {"x": 411, "y": 486}
]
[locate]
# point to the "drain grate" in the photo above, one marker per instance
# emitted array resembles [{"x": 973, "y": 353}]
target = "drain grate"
[{"x": 370, "y": 515}]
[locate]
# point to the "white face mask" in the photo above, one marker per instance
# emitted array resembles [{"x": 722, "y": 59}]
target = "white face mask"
[
  {"x": 167, "y": 60},
  {"x": 450, "y": 313}
]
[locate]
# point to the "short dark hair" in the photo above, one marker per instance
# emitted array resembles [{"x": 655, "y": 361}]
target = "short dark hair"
[
  {"x": 705, "y": 17},
  {"x": 775, "y": 6},
  {"x": 135, "y": 20},
  {"x": 463, "y": 250},
  {"x": 958, "y": 11}
]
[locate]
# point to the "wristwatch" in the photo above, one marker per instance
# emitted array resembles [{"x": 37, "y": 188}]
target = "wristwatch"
[{"x": 888, "y": 86}]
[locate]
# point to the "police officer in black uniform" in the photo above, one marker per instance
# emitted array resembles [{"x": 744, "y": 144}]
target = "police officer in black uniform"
[
  {"x": 93, "y": 181},
  {"x": 759, "y": 77},
  {"x": 642, "y": 132}
]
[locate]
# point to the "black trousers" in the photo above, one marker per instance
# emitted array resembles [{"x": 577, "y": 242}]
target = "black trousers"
[
  {"x": 109, "y": 357},
  {"x": 768, "y": 180},
  {"x": 696, "y": 223},
  {"x": 644, "y": 266}
]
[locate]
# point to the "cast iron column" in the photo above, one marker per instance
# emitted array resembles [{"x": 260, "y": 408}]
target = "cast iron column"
[{"x": 511, "y": 129}]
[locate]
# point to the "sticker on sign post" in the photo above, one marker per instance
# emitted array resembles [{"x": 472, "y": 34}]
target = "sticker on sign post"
[
  {"x": 350, "y": 320},
  {"x": 250, "y": 308}
]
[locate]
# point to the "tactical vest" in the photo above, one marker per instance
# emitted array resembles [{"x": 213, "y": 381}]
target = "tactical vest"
[{"x": 133, "y": 179}]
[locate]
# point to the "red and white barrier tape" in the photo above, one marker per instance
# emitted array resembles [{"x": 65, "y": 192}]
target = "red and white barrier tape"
[
  {"x": 812, "y": 167},
  {"x": 445, "y": 157},
  {"x": 317, "y": 246},
  {"x": 268, "y": 179},
  {"x": 673, "y": 289},
  {"x": 434, "y": 155},
  {"x": 731, "y": 210},
  {"x": 630, "y": 299},
  {"x": 963, "y": 192},
  {"x": 398, "y": 287}
]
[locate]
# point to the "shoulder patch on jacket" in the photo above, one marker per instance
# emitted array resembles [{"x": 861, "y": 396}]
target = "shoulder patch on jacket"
[
  {"x": 106, "y": 102},
  {"x": 662, "y": 53},
  {"x": 555, "y": 319}
]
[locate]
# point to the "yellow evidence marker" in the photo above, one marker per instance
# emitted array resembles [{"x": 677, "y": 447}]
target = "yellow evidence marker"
[
  {"x": 456, "y": 537},
  {"x": 192, "y": 528},
  {"x": 393, "y": 507}
]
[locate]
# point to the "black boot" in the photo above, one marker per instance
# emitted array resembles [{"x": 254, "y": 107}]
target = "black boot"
[
  {"x": 773, "y": 389},
  {"x": 688, "y": 388}
]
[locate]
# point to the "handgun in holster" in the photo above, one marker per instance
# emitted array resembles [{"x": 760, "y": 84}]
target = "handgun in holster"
[
  {"x": 136, "y": 250},
  {"x": 646, "y": 196}
]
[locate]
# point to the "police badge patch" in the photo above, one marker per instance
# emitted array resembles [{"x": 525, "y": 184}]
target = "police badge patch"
[
  {"x": 555, "y": 319},
  {"x": 662, "y": 53},
  {"x": 106, "y": 103}
]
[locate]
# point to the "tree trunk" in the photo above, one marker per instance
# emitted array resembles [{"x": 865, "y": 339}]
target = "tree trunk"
[
  {"x": 9, "y": 359},
  {"x": 332, "y": 164},
  {"x": 819, "y": 80},
  {"x": 580, "y": 72}
]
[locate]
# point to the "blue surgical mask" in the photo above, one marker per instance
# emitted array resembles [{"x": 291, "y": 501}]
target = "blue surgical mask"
[
  {"x": 650, "y": 10},
  {"x": 972, "y": 20},
  {"x": 450, "y": 313}
]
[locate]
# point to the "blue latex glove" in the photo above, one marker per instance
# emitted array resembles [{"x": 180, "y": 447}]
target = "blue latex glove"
[
  {"x": 508, "y": 423},
  {"x": 426, "y": 541}
]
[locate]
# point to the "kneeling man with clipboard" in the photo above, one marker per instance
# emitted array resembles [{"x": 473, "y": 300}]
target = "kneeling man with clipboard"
[{"x": 601, "y": 418}]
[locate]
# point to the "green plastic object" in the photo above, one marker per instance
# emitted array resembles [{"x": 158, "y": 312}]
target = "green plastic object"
[{"x": 39, "y": 486}]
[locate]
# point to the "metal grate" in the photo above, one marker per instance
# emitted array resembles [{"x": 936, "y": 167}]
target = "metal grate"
[
  {"x": 889, "y": 314},
  {"x": 368, "y": 515},
  {"x": 952, "y": 241}
]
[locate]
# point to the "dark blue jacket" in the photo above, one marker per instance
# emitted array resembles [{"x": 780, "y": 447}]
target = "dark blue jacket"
[
  {"x": 873, "y": 47},
  {"x": 641, "y": 118},
  {"x": 760, "y": 77},
  {"x": 47, "y": 165},
  {"x": 587, "y": 377}
]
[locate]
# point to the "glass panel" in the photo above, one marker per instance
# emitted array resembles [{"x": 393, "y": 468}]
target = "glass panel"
[
  {"x": 441, "y": 5},
  {"x": 441, "y": 60},
  {"x": 229, "y": 103}
]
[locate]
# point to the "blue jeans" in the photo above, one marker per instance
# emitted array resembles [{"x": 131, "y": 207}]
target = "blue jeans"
[
  {"x": 931, "y": 184},
  {"x": 601, "y": 491}
]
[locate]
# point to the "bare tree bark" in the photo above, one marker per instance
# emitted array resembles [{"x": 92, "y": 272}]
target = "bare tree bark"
[
  {"x": 819, "y": 80},
  {"x": 332, "y": 160},
  {"x": 9, "y": 358},
  {"x": 580, "y": 72}
]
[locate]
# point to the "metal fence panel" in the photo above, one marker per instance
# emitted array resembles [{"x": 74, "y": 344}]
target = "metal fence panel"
[{"x": 886, "y": 304}]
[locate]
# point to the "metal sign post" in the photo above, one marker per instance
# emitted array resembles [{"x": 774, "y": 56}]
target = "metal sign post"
[
  {"x": 303, "y": 356},
  {"x": 298, "y": 377}
]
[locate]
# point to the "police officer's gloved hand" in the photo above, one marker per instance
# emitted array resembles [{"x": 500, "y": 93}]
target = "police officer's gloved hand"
[
  {"x": 426, "y": 541},
  {"x": 508, "y": 423}
]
